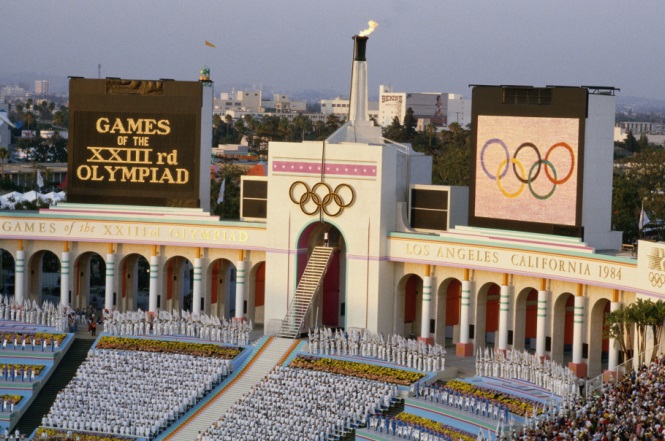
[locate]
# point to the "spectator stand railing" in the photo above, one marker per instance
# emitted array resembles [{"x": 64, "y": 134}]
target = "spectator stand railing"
[{"x": 594, "y": 385}]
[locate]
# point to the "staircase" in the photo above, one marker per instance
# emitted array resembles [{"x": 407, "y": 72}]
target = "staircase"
[
  {"x": 309, "y": 285},
  {"x": 274, "y": 350},
  {"x": 62, "y": 375}
]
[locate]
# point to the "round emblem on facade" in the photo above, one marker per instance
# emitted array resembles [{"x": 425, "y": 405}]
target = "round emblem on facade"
[{"x": 322, "y": 197}]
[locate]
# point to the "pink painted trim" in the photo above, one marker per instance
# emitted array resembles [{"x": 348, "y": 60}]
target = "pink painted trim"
[
  {"x": 134, "y": 213},
  {"x": 314, "y": 168}
]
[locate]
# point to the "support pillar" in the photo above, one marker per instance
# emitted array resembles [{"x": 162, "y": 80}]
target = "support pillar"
[
  {"x": 426, "y": 308},
  {"x": 19, "y": 283},
  {"x": 613, "y": 355},
  {"x": 578, "y": 367},
  {"x": 196, "y": 294},
  {"x": 154, "y": 283},
  {"x": 541, "y": 324},
  {"x": 240, "y": 289},
  {"x": 465, "y": 348},
  {"x": 64, "y": 278},
  {"x": 504, "y": 313},
  {"x": 110, "y": 274}
]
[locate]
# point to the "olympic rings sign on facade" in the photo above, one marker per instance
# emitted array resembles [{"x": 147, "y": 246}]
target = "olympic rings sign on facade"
[
  {"x": 322, "y": 196},
  {"x": 657, "y": 280},
  {"x": 524, "y": 176}
]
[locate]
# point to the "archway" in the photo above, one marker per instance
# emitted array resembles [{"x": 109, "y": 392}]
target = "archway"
[
  {"x": 487, "y": 315},
  {"x": 178, "y": 284},
  {"x": 408, "y": 308},
  {"x": 90, "y": 277},
  {"x": 448, "y": 311},
  {"x": 563, "y": 327},
  {"x": 43, "y": 277},
  {"x": 220, "y": 299},
  {"x": 328, "y": 307},
  {"x": 598, "y": 342},
  {"x": 8, "y": 271},
  {"x": 526, "y": 319},
  {"x": 134, "y": 284},
  {"x": 256, "y": 293}
]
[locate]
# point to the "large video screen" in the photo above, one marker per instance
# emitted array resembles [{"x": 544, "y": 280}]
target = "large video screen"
[
  {"x": 134, "y": 142},
  {"x": 526, "y": 169},
  {"x": 528, "y": 159}
]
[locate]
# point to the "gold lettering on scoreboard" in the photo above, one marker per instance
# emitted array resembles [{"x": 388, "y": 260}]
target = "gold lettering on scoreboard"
[{"x": 132, "y": 159}]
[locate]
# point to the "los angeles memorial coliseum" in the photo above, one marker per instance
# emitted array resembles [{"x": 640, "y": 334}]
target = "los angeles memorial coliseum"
[{"x": 524, "y": 258}]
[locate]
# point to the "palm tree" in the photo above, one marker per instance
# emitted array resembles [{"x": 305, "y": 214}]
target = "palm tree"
[
  {"x": 4, "y": 154},
  {"x": 617, "y": 327}
]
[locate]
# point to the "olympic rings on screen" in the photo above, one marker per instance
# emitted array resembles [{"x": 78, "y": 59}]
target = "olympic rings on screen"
[
  {"x": 657, "y": 280},
  {"x": 498, "y": 181},
  {"x": 322, "y": 196},
  {"x": 534, "y": 169}
]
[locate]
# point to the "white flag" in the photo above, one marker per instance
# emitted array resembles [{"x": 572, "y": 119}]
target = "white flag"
[
  {"x": 644, "y": 219},
  {"x": 40, "y": 180},
  {"x": 222, "y": 187}
]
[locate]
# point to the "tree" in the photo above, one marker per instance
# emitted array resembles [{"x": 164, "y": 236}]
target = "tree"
[
  {"x": 4, "y": 154},
  {"x": 617, "y": 327},
  {"x": 631, "y": 143},
  {"x": 230, "y": 207},
  {"x": 410, "y": 123},
  {"x": 395, "y": 131}
]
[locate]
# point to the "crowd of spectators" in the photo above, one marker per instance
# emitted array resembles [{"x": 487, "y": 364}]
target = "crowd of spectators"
[{"x": 631, "y": 409}]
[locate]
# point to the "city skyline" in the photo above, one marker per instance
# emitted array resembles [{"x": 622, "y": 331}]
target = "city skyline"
[{"x": 296, "y": 45}]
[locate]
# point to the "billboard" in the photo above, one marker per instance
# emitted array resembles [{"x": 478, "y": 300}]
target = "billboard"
[
  {"x": 135, "y": 142},
  {"x": 527, "y": 159}
]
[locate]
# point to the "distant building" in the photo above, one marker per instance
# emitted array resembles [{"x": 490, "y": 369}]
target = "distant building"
[
  {"x": 435, "y": 108},
  {"x": 283, "y": 104},
  {"x": 12, "y": 92},
  {"x": 42, "y": 87},
  {"x": 5, "y": 130},
  {"x": 340, "y": 106},
  {"x": 244, "y": 101}
]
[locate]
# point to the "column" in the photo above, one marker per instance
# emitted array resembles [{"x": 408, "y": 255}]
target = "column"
[
  {"x": 196, "y": 294},
  {"x": 504, "y": 318},
  {"x": 110, "y": 274},
  {"x": 464, "y": 347},
  {"x": 154, "y": 283},
  {"x": 426, "y": 307},
  {"x": 577, "y": 365},
  {"x": 613, "y": 356},
  {"x": 64, "y": 277},
  {"x": 240, "y": 289},
  {"x": 19, "y": 283},
  {"x": 541, "y": 324}
]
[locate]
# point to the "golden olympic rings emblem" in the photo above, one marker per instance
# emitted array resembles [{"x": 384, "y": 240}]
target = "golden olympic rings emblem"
[
  {"x": 322, "y": 198},
  {"x": 657, "y": 280}
]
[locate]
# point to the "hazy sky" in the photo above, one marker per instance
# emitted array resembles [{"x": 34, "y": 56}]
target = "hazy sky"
[{"x": 419, "y": 46}]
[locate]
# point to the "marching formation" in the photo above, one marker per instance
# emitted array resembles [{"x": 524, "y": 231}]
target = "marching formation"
[
  {"x": 133, "y": 393},
  {"x": 293, "y": 404},
  {"x": 202, "y": 326},
  {"x": 363, "y": 343},
  {"x": 28, "y": 311},
  {"x": 528, "y": 367}
]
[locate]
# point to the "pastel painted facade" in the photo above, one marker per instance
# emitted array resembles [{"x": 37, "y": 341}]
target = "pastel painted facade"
[{"x": 474, "y": 286}]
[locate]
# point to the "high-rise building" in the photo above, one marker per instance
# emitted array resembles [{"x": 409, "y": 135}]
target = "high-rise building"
[{"x": 42, "y": 87}]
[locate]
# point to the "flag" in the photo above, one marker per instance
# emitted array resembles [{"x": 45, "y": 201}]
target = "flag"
[
  {"x": 644, "y": 219},
  {"x": 40, "y": 180},
  {"x": 209, "y": 44},
  {"x": 222, "y": 187}
]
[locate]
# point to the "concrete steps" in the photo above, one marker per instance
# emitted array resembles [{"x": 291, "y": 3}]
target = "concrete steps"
[{"x": 262, "y": 363}]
